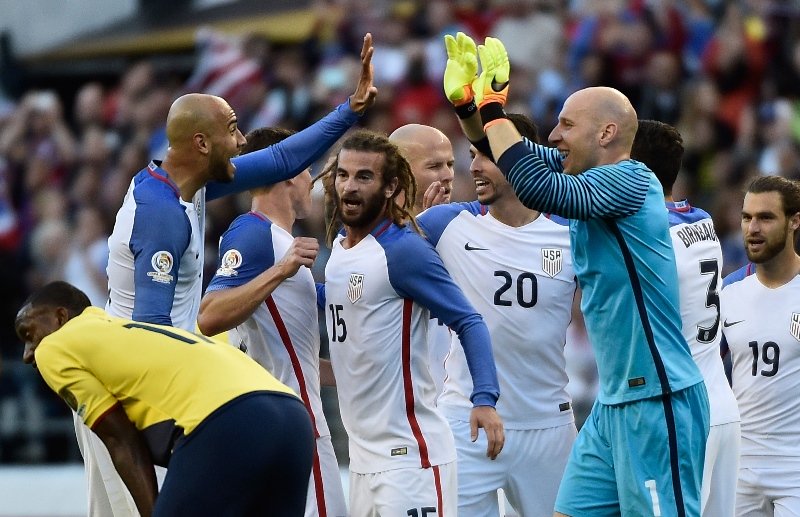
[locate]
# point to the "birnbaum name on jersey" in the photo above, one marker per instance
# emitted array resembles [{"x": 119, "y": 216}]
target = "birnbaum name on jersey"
[{"x": 697, "y": 232}]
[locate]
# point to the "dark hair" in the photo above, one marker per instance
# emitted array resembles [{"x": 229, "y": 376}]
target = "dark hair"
[
  {"x": 525, "y": 126},
  {"x": 789, "y": 190},
  {"x": 264, "y": 137},
  {"x": 394, "y": 166},
  {"x": 60, "y": 294},
  {"x": 660, "y": 147}
]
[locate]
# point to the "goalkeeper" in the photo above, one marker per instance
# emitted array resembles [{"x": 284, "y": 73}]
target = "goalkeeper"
[{"x": 640, "y": 451}]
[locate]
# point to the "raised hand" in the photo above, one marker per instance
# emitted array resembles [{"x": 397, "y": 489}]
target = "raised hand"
[
  {"x": 492, "y": 84},
  {"x": 365, "y": 93},
  {"x": 461, "y": 69}
]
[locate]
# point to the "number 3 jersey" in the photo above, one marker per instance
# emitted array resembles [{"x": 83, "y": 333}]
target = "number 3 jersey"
[
  {"x": 762, "y": 330},
  {"x": 521, "y": 280},
  {"x": 380, "y": 295},
  {"x": 699, "y": 259}
]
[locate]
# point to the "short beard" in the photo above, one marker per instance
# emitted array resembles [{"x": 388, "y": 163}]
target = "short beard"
[
  {"x": 373, "y": 208},
  {"x": 769, "y": 252}
]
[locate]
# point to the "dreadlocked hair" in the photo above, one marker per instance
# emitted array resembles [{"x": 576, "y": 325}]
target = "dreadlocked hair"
[{"x": 394, "y": 166}]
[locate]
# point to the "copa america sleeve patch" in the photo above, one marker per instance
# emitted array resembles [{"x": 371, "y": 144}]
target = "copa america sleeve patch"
[
  {"x": 230, "y": 262},
  {"x": 162, "y": 263}
]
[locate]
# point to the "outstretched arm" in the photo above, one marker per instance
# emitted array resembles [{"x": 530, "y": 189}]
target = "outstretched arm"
[{"x": 294, "y": 154}]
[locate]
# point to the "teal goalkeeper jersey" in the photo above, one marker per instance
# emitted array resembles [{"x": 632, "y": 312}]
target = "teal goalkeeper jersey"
[{"x": 625, "y": 264}]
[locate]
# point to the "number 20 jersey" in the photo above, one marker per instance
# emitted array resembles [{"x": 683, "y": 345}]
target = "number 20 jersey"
[
  {"x": 522, "y": 281},
  {"x": 762, "y": 330}
]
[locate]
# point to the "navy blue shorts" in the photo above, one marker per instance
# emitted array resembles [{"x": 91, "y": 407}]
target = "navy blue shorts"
[{"x": 252, "y": 456}]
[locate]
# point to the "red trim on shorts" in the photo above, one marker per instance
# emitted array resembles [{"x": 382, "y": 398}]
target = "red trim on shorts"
[
  {"x": 316, "y": 469},
  {"x": 437, "y": 480},
  {"x": 408, "y": 388}
]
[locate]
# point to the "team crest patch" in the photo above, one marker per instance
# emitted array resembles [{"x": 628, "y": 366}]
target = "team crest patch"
[
  {"x": 355, "y": 287},
  {"x": 794, "y": 328},
  {"x": 162, "y": 263},
  {"x": 231, "y": 261},
  {"x": 552, "y": 261}
]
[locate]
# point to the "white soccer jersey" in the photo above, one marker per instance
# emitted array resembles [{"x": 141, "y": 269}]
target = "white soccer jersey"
[
  {"x": 699, "y": 259},
  {"x": 155, "y": 266},
  {"x": 762, "y": 330},
  {"x": 521, "y": 280},
  {"x": 380, "y": 295},
  {"x": 282, "y": 335}
]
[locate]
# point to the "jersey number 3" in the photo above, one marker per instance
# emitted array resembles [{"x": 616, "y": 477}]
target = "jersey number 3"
[{"x": 710, "y": 267}]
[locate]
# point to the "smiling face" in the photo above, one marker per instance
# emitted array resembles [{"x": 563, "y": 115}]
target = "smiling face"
[
  {"x": 432, "y": 161},
  {"x": 577, "y": 134},
  {"x": 766, "y": 229},
  {"x": 361, "y": 195},
  {"x": 490, "y": 183},
  {"x": 34, "y": 324}
]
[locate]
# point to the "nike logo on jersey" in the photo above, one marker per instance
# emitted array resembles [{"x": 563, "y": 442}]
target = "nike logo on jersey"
[
  {"x": 732, "y": 323},
  {"x": 474, "y": 248}
]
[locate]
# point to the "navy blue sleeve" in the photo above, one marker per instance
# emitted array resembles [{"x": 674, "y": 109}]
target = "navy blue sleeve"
[
  {"x": 287, "y": 158},
  {"x": 434, "y": 220},
  {"x": 157, "y": 250},
  {"x": 245, "y": 251},
  {"x": 320, "y": 295},
  {"x": 740, "y": 274},
  {"x": 416, "y": 272},
  {"x": 607, "y": 191}
]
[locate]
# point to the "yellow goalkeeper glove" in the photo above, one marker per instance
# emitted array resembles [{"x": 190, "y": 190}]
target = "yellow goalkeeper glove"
[
  {"x": 461, "y": 69},
  {"x": 492, "y": 84}
]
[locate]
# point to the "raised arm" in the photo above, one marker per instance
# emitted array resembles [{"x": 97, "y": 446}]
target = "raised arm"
[{"x": 294, "y": 154}]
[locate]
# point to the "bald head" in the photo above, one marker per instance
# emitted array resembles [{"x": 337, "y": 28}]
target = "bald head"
[
  {"x": 195, "y": 113},
  {"x": 430, "y": 155},
  {"x": 610, "y": 106}
]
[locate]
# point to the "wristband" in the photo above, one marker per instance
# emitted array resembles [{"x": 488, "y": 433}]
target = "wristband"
[
  {"x": 490, "y": 112},
  {"x": 465, "y": 111}
]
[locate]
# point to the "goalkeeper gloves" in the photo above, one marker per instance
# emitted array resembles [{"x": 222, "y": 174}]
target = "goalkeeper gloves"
[{"x": 460, "y": 72}]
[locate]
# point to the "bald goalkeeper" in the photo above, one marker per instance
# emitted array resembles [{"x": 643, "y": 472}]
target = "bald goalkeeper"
[
  {"x": 641, "y": 449},
  {"x": 156, "y": 249}
]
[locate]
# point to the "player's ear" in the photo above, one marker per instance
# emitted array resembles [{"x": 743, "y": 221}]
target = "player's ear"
[
  {"x": 794, "y": 221},
  {"x": 390, "y": 187},
  {"x": 62, "y": 316},
  {"x": 201, "y": 143},
  {"x": 608, "y": 133}
]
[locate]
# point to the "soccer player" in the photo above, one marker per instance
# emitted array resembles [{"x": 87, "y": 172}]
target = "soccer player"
[
  {"x": 641, "y": 449},
  {"x": 237, "y": 441},
  {"x": 699, "y": 259},
  {"x": 515, "y": 266},
  {"x": 761, "y": 326},
  {"x": 264, "y": 291},
  {"x": 156, "y": 247},
  {"x": 430, "y": 155},
  {"x": 383, "y": 282}
]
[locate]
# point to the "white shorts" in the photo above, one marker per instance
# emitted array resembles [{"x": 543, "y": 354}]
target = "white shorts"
[
  {"x": 326, "y": 469},
  {"x": 106, "y": 492},
  {"x": 768, "y": 492},
  {"x": 414, "y": 492},
  {"x": 721, "y": 470},
  {"x": 529, "y": 470}
]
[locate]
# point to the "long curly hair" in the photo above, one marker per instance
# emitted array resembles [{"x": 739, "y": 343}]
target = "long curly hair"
[{"x": 398, "y": 208}]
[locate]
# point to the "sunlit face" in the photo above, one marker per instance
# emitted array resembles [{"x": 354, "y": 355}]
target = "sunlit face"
[
  {"x": 765, "y": 228},
  {"x": 490, "y": 183},
  {"x": 432, "y": 161},
  {"x": 301, "y": 194},
  {"x": 34, "y": 324},
  {"x": 577, "y": 135},
  {"x": 227, "y": 142},
  {"x": 361, "y": 195}
]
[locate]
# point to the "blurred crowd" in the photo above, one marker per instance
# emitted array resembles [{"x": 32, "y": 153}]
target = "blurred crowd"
[{"x": 725, "y": 73}]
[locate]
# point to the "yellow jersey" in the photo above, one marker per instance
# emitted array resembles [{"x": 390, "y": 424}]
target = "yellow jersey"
[{"x": 167, "y": 380}]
